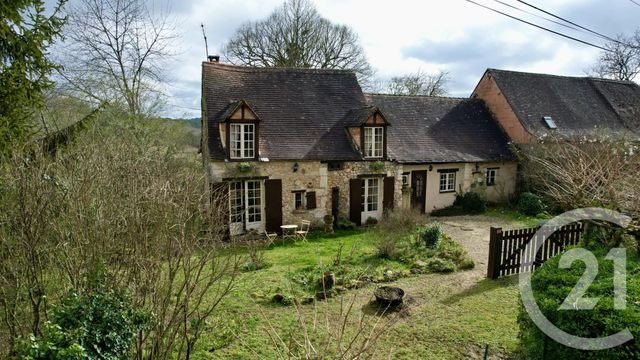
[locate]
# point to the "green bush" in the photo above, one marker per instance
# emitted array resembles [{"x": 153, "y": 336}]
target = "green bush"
[
  {"x": 448, "y": 211},
  {"x": 471, "y": 203},
  {"x": 346, "y": 224},
  {"x": 439, "y": 265},
  {"x": 552, "y": 285},
  {"x": 466, "y": 264},
  {"x": 466, "y": 204},
  {"x": 101, "y": 324},
  {"x": 430, "y": 235},
  {"x": 530, "y": 204}
]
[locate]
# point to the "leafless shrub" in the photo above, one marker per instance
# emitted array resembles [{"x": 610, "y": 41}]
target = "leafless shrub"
[
  {"x": 123, "y": 197},
  {"x": 580, "y": 173},
  {"x": 583, "y": 173},
  {"x": 393, "y": 228},
  {"x": 400, "y": 221},
  {"x": 323, "y": 333}
]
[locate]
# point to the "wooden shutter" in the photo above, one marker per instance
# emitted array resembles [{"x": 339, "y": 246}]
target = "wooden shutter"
[
  {"x": 220, "y": 208},
  {"x": 311, "y": 200},
  {"x": 389, "y": 187},
  {"x": 273, "y": 205},
  {"x": 355, "y": 200}
]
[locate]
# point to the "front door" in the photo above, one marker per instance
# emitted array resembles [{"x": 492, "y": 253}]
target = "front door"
[
  {"x": 418, "y": 190},
  {"x": 245, "y": 206}
]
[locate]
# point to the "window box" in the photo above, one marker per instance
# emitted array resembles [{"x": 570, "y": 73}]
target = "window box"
[{"x": 244, "y": 167}]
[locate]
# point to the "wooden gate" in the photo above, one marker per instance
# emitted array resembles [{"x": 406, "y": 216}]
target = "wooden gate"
[{"x": 507, "y": 248}]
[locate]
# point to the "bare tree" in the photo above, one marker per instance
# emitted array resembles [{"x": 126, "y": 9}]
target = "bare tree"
[
  {"x": 418, "y": 83},
  {"x": 295, "y": 35},
  {"x": 578, "y": 173},
  {"x": 115, "y": 51},
  {"x": 121, "y": 195},
  {"x": 621, "y": 61}
]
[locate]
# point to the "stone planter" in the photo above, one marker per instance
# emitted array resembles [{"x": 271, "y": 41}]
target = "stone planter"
[{"x": 390, "y": 296}]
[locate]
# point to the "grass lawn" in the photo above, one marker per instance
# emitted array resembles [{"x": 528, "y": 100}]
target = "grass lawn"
[
  {"x": 450, "y": 316},
  {"x": 517, "y": 219}
]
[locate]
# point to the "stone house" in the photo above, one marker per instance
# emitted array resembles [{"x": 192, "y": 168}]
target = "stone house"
[
  {"x": 285, "y": 144},
  {"x": 530, "y": 107}
]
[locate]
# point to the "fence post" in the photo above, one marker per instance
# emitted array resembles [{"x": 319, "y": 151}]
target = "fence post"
[{"x": 495, "y": 249}]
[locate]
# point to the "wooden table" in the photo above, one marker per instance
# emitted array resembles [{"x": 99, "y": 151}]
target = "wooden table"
[{"x": 288, "y": 231}]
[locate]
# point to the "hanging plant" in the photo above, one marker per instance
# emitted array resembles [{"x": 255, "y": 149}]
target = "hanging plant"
[
  {"x": 244, "y": 167},
  {"x": 377, "y": 165}
]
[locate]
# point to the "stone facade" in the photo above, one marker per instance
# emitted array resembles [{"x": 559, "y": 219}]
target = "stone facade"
[
  {"x": 310, "y": 176},
  {"x": 315, "y": 176}
]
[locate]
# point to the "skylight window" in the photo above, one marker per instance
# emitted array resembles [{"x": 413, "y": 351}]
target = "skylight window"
[{"x": 550, "y": 123}]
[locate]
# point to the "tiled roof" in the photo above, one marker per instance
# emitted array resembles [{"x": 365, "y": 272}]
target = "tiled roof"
[
  {"x": 435, "y": 129},
  {"x": 304, "y": 115},
  {"x": 578, "y": 105},
  {"x": 357, "y": 117},
  {"x": 302, "y": 111}
]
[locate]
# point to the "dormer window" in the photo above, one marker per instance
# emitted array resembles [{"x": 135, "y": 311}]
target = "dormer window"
[
  {"x": 368, "y": 129},
  {"x": 373, "y": 141},
  {"x": 242, "y": 141},
  {"x": 241, "y": 128}
]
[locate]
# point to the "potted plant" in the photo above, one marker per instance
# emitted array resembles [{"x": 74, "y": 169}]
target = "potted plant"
[{"x": 377, "y": 165}]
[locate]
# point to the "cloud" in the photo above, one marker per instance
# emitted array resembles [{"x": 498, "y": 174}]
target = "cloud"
[
  {"x": 435, "y": 35},
  {"x": 467, "y": 58}
]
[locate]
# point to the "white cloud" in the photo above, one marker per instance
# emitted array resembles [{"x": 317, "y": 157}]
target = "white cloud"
[{"x": 403, "y": 36}]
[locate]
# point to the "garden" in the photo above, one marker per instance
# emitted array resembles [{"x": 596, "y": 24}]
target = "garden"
[{"x": 449, "y": 309}]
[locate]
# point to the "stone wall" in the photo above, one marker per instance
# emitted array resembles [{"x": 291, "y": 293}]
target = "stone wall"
[
  {"x": 351, "y": 170},
  {"x": 310, "y": 176}
]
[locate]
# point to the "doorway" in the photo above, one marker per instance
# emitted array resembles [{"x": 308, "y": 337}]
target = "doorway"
[
  {"x": 418, "y": 190},
  {"x": 245, "y": 206}
]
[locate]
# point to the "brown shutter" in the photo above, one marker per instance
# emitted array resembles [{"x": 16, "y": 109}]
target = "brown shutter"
[
  {"x": 355, "y": 200},
  {"x": 220, "y": 208},
  {"x": 273, "y": 205},
  {"x": 311, "y": 200},
  {"x": 389, "y": 187}
]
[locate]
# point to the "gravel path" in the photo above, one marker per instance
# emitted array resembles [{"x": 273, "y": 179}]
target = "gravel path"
[{"x": 473, "y": 233}]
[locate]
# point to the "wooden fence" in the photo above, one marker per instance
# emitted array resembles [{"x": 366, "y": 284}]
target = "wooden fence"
[{"x": 507, "y": 248}]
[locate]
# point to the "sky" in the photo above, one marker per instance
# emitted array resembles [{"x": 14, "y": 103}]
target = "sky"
[{"x": 403, "y": 36}]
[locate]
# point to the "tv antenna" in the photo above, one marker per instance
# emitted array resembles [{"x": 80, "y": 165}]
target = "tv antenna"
[{"x": 206, "y": 46}]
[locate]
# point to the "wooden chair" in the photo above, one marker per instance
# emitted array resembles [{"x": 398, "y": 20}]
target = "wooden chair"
[
  {"x": 304, "y": 230},
  {"x": 271, "y": 237}
]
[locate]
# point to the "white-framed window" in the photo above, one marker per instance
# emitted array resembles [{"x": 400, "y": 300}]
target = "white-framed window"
[
  {"x": 299, "y": 200},
  {"x": 236, "y": 202},
  {"x": 245, "y": 204},
  {"x": 371, "y": 195},
  {"x": 373, "y": 141},
  {"x": 491, "y": 176},
  {"x": 242, "y": 141},
  {"x": 447, "y": 181},
  {"x": 254, "y": 201}
]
